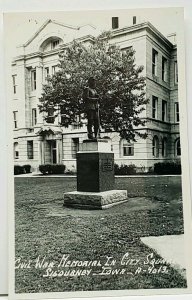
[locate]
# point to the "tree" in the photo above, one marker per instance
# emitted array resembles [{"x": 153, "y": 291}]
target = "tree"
[{"x": 120, "y": 85}]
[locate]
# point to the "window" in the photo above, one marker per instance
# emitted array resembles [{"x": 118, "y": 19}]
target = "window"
[
  {"x": 176, "y": 112},
  {"x": 164, "y": 69},
  {"x": 176, "y": 72},
  {"x": 33, "y": 80},
  {"x": 126, "y": 50},
  {"x": 16, "y": 152},
  {"x": 154, "y": 62},
  {"x": 54, "y": 70},
  {"x": 46, "y": 72},
  {"x": 128, "y": 149},
  {"x": 14, "y": 84},
  {"x": 164, "y": 110},
  {"x": 154, "y": 107},
  {"x": 30, "y": 149},
  {"x": 164, "y": 147},
  {"x": 54, "y": 151},
  {"x": 15, "y": 116},
  {"x": 155, "y": 146},
  {"x": 134, "y": 20},
  {"x": 50, "y": 118},
  {"x": 115, "y": 22},
  {"x": 55, "y": 44},
  {"x": 34, "y": 116},
  {"x": 74, "y": 147},
  {"x": 177, "y": 147}
]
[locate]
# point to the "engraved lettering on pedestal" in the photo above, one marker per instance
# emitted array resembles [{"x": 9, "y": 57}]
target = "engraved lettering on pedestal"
[{"x": 107, "y": 165}]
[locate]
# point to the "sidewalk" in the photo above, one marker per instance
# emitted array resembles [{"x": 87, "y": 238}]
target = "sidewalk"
[{"x": 169, "y": 247}]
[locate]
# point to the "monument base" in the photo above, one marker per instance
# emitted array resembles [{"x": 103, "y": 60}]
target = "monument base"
[{"x": 89, "y": 200}]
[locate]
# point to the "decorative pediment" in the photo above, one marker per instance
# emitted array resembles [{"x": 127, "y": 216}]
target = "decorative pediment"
[
  {"x": 47, "y": 130},
  {"x": 53, "y": 34}
]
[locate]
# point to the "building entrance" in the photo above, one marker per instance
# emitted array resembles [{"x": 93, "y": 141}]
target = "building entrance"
[{"x": 54, "y": 151}]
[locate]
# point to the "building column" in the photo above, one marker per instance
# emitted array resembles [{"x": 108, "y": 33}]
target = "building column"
[
  {"x": 39, "y": 81},
  {"x": 59, "y": 151},
  {"x": 23, "y": 102},
  {"x": 41, "y": 151}
]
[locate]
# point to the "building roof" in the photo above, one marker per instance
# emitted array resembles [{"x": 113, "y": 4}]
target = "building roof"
[
  {"x": 115, "y": 33},
  {"x": 145, "y": 25},
  {"x": 57, "y": 23}
]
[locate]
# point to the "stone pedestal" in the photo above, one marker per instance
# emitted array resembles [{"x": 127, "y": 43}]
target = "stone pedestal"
[
  {"x": 95, "y": 177},
  {"x": 102, "y": 200},
  {"x": 95, "y": 171}
]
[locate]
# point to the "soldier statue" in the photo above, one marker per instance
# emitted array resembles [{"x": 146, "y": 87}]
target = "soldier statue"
[{"x": 91, "y": 103}]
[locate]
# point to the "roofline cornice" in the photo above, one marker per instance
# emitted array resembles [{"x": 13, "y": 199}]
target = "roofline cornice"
[
  {"x": 142, "y": 26},
  {"x": 147, "y": 26},
  {"x": 51, "y": 52}
]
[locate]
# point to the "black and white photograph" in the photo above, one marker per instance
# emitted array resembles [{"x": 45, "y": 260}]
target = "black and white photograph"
[{"x": 99, "y": 153}]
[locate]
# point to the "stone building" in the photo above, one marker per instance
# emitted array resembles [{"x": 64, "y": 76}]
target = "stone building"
[{"x": 38, "y": 142}]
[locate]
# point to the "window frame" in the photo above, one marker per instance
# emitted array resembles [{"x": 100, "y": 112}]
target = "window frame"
[
  {"x": 164, "y": 111},
  {"x": 127, "y": 146},
  {"x": 177, "y": 147},
  {"x": 54, "y": 69},
  {"x": 74, "y": 147},
  {"x": 33, "y": 79},
  {"x": 154, "y": 61},
  {"x": 50, "y": 119},
  {"x": 155, "y": 146},
  {"x": 34, "y": 116},
  {"x": 115, "y": 22},
  {"x": 16, "y": 152},
  {"x": 154, "y": 107},
  {"x": 15, "y": 118},
  {"x": 164, "y": 68},
  {"x": 164, "y": 147},
  {"x": 30, "y": 149},
  {"x": 176, "y": 112},
  {"x": 55, "y": 43},
  {"x": 46, "y": 72},
  {"x": 14, "y": 84},
  {"x": 175, "y": 72}
]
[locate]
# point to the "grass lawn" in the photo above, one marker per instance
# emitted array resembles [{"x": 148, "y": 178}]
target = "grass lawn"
[{"x": 44, "y": 228}]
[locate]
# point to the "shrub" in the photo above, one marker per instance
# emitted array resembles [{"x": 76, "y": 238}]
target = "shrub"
[
  {"x": 52, "y": 169},
  {"x": 27, "y": 168},
  {"x": 45, "y": 169},
  {"x": 58, "y": 169},
  {"x": 18, "y": 170},
  {"x": 125, "y": 169},
  {"x": 167, "y": 168}
]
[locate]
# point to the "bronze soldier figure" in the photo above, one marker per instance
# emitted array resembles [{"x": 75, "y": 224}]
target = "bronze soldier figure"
[{"x": 91, "y": 102}]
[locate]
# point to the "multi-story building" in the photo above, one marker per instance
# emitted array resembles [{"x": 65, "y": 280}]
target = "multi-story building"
[{"x": 38, "y": 142}]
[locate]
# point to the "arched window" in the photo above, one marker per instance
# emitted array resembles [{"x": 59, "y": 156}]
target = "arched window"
[
  {"x": 164, "y": 147},
  {"x": 155, "y": 146},
  {"x": 16, "y": 152},
  {"x": 177, "y": 147},
  {"x": 50, "y": 43}
]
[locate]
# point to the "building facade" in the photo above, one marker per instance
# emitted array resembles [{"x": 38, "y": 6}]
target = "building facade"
[{"x": 39, "y": 142}]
